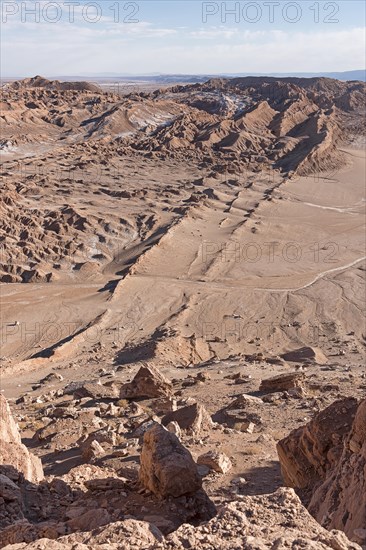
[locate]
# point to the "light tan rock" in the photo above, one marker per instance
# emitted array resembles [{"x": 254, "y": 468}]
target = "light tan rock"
[
  {"x": 12, "y": 451},
  {"x": 193, "y": 418},
  {"x": 148, "y": 382},
  {"x": 262, "y": 522},
  {"x": 245, "y": 401},
  {"x": 219, "y": 462},
  {"x": 129, "y": 534},
  {"x": 92, "y": 446}
]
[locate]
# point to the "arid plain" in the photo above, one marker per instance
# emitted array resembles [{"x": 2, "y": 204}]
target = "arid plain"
[{"x": 214, "y": 232}]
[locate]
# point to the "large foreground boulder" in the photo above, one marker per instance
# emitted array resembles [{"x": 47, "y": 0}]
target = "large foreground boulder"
[
  {"x": 167, "y": 467},
  {"x": 148, "y": 383},
  {"x": 326, "y": 459},
  {"x": 12, "y": 451}
]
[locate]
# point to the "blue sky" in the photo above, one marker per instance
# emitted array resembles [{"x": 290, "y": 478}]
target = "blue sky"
[{"x": 174, "y": 36}]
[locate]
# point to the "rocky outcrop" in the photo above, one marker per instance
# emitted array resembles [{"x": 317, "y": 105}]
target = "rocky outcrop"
[
  {"x": 167, "y": 467},
  {"x": 261, "y": 522},
  {"x": 326, "y": 459},
  {"x": 12, "y": 451},
  {"x": 309, "y": 452},
  {"x": 148, "y": 382},
  {"x": 340, "y": 501},
  {"x": 41, "y": 82}
]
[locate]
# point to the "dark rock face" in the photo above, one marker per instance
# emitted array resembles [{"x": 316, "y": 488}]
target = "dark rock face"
[
  {"x": 340, "y": 501},
  {"x": 326, "y": 460},
  {"x": 309, "y": 452}
]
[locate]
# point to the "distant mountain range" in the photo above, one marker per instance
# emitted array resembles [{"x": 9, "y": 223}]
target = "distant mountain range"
[
  {"x": 192, "y": 78},
  {"x": 359, "y": 75}
]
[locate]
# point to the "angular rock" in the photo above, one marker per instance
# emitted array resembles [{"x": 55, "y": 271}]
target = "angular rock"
[
  {"x": 240, "y": 419},
  {"x": 96, "y": 518},
  {"x": 193, "y": 418},
  {"x": 148, "y": 382},
  {"x": 12, "y": 451},
  {"x": 167, "y": 467},
  {"x": 101, "y": 436},
  {"x": 306, "y": 354},
  {"x": 219, "y": 462},
  {"x": 129, "y": 534},
  {"x": 11, "y": 505},
  {"x": 9, "y": 491},
  {"x": 164, "y": 405},
  {"x": 92, "y": 450},
  {"x": 247, "y": 427},
  {"x": 283, "y": 382},
  {"x": 23, "y": 530},
  {"x": 244, "y": 401},
  {"x": 52, "y": 377}
]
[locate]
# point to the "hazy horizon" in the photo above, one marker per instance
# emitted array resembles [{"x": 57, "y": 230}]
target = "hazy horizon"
[
  {"x": 175, "y": 37},
  {"x": 151, "y": 75}
]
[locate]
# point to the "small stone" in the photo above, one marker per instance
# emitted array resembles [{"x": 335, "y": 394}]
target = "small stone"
[{"x": 219, "y": 462}]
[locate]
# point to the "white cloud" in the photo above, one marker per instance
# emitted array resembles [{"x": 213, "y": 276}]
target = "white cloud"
[
  {"x": 214, "y": 33},
  {"x": 138, "y": 48}
]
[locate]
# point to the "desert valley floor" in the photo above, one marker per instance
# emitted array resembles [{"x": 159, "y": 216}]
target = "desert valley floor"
[{"x": 214, "y": 236}]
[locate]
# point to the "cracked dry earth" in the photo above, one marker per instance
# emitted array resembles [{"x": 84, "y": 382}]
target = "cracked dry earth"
[{"x": 182, "y": 317}]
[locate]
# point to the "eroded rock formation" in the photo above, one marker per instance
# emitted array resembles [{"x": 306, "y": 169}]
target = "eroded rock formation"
[{"x": 326, "y": 461}]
